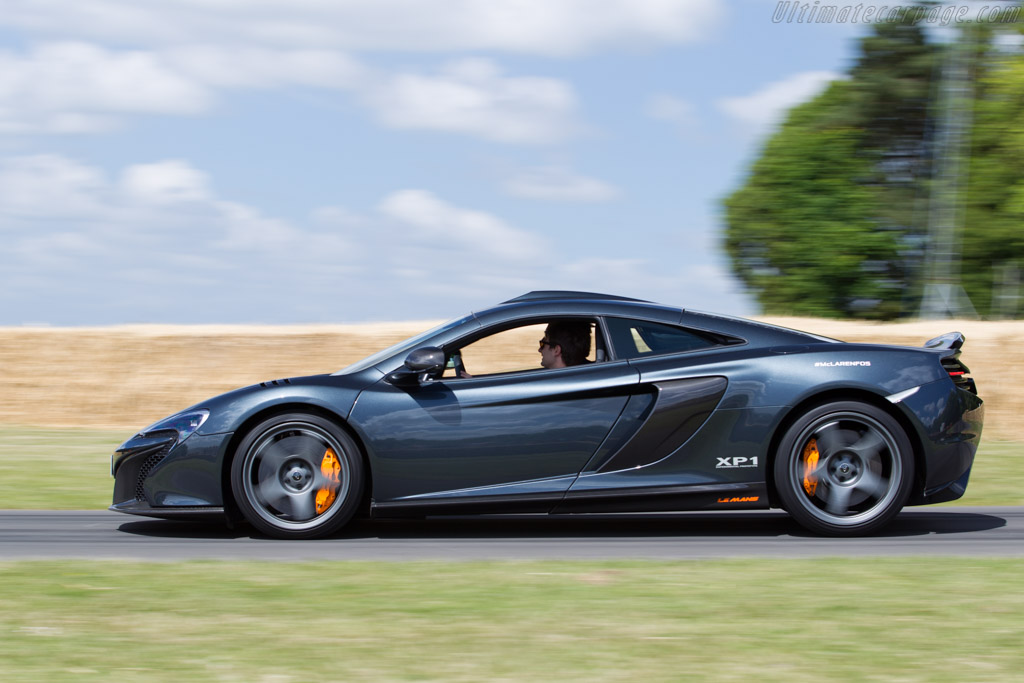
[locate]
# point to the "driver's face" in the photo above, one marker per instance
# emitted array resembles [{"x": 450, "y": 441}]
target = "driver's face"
[{"x": 549, "y": 355}]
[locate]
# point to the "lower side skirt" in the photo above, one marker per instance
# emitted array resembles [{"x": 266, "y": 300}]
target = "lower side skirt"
[{"x": 749, "y": 496}]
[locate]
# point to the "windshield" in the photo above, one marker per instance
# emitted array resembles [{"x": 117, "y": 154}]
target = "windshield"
[{"x": 402, "y": 346}]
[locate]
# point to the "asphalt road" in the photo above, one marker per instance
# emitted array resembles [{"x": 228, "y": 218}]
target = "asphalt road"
[{"x": 937, "y": 531}]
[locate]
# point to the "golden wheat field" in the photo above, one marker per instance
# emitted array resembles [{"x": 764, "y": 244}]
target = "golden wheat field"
[{"x": 129, "y": 376}]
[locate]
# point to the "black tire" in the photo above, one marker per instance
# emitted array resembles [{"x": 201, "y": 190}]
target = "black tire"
[
  {"x": 844, "y": 469},
  {"x": 282, "y": 476}
]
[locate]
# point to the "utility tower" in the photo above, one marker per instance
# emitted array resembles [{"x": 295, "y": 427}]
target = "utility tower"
[{"x": 944, "y": 296}]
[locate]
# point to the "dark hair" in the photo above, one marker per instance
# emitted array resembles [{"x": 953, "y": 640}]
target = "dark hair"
[{"x": 574, "y": 338}]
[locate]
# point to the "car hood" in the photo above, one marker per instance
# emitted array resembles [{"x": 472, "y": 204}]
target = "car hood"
[{"x": 333, "y": 393}]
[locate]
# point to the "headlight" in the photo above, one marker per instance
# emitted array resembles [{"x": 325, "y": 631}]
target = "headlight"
[{"x": 184, "y": 423}]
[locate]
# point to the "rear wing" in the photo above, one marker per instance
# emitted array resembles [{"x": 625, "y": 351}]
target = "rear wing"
[
  {"x": 951, "y": 343},
  {"x": 950, "y": 340}
]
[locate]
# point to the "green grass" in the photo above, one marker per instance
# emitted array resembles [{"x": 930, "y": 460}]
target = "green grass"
[
  {"x": 69, "y": 469},
  {"x": 997, "y": 477},
  {"x": 56, "y": 469},
  {"x": 786, "y": 620}
]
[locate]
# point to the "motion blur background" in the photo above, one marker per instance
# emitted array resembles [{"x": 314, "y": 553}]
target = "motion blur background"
[
  {"x": 337, "y": 163},
  {"x": 284, "y": 162}
]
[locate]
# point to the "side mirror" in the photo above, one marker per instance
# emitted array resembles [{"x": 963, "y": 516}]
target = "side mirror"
[
  {"x": 424, "y": 361},
  {"x": 428, "y": 359}
]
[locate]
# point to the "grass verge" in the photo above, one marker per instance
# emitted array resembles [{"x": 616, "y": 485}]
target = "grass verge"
[
  {"x": 69, "y": 469},
  {"x": 934, "y": 619},
  {"x": 56, "y": 469}
]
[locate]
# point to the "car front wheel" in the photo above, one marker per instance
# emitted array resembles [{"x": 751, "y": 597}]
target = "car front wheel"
[
  {"x": 844, "y": 469},
  {"x": 297, "y": 476}
]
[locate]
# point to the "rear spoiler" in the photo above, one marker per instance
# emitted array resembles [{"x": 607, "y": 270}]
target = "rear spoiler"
[
  {"x": 951, "y": 340},
  {"x": 951, "y": 343}
]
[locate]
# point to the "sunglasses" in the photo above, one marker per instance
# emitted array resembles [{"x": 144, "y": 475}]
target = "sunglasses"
[{"x": 543, "y": 343}]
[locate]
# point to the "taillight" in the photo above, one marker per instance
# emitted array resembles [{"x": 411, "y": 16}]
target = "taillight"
[{"x": 958, "y": 373}]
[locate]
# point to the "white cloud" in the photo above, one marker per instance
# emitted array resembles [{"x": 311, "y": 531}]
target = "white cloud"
[
  {"x": 88, "y": 65},
  {"x": 155, "y": 242},
  {"x": 245, "y": 229},
  {"x": 767, "y": 106},
  {"x": 50, "y": 186},
  {"x": 157, "y": 203},
  {"x": 557, "y": 183},
  {"x": 73, "y": 87},
  {"x": 472, "y": 96},
  {"x": 547, "y": 27},
  {"x": 81, "y": 88},
  {"x": 165, "y": 182},
  {"x": 442, "y": 225}
]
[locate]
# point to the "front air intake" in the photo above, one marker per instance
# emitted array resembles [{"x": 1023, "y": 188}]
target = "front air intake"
[{"x": 148, "y": 465}]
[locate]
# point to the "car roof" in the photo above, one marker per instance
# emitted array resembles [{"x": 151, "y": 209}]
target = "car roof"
[
  {"x": 565, "y": 295},
  {"x": 559, "y": 302}
]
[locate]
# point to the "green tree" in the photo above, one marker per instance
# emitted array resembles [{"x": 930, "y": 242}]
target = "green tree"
[
  {"x": 831, "y": 219},
  {"x": 993, "y": 233}
]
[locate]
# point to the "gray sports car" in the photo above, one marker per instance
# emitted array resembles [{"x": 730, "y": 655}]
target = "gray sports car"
[{"x": 568, "y": 402}]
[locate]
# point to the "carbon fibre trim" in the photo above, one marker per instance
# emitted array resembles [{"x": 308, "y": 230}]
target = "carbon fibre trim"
[
  {"x": 521, "y": 503},
  {"x": 194, "y": 512},
  {"x": 638, "y": 408},
  {"x": 723, "y": 496},
  {"x": 681, "y": 407}
]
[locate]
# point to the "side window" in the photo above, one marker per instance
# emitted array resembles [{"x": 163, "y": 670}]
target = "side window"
[
  {"x": 509, "y": 350},
  {"x": 639, "y": 338}
]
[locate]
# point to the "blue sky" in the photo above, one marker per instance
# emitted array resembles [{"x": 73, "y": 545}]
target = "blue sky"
[{"x": 286, "y": 161}]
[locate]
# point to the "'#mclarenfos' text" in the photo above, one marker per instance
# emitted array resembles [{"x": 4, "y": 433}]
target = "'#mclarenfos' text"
[{"x": 843, "y": 364}]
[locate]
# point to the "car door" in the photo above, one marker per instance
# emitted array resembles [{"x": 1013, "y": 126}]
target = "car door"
[
  {"x": 521, "y": 436},
  {"x": 647, "y": 447}
]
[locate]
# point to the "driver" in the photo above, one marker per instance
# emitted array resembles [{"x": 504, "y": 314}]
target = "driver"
[{"x": 565, "y": 343}]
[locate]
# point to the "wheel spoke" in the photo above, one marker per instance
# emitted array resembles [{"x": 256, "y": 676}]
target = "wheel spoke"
[
  {"x": 868, "y": 446},
  {"x": 829, "y": 440},
  {"x": 304, "y": 446},
  {"x": 321, "y": 481},
  {"x": 871, "y": 483},
  {"x": 820, "y": 473},
  {"x": 303, "y": 505},
  {"x": 271, "y": 458},
  {"x": 838, "y": 499},
  {"x": 271, "y": 490}
]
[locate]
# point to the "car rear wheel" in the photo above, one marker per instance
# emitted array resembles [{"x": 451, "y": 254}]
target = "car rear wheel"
[
  {"x": 297, "y": 476},
  {"x": 844, "y": 469}
]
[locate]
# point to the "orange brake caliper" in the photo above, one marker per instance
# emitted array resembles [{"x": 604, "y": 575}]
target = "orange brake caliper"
[
  {"x": 330, "y": 468},
  {"x": 811, "y": 456}
]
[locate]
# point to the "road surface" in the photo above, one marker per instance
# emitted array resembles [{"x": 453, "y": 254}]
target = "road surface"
[{"x": 937, "y": 531}]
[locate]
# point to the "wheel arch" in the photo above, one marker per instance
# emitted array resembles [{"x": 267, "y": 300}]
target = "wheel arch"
[
  {"x": 231, "y": 508},
  {"x": 832, "y": 396}
]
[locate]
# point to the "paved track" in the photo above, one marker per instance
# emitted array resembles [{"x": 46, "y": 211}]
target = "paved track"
[{"x": 938, "y": 531}]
